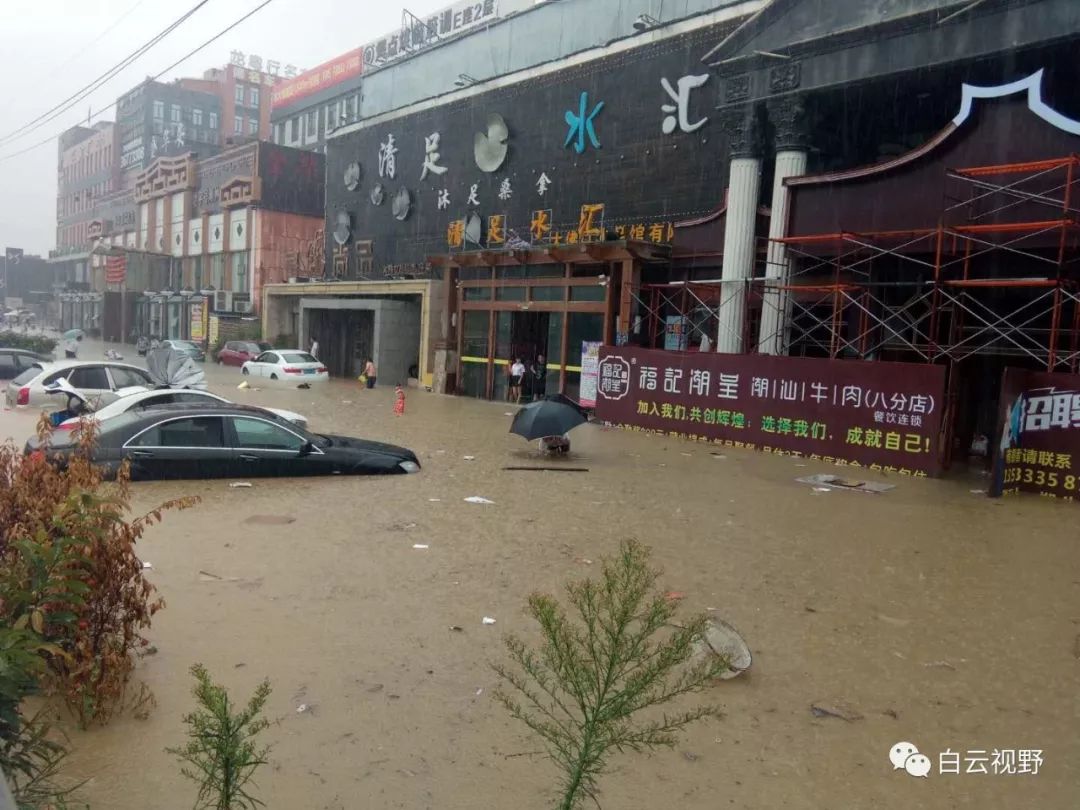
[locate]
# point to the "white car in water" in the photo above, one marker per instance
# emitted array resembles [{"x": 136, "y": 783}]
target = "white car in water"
[
  {"x": 291, "y": 365},
  {"x": 145, "y": 400}
]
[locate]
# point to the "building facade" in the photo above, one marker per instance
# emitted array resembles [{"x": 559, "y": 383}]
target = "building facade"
[
  {"x": 697, "y": 186},
  {"x": 425, "y": 100},
  {"x": 201, "y": 237},
  {"x": 245, "y": 98},
  {"x": 309, "y": 107},
  {"x": 86, "y": 171}
]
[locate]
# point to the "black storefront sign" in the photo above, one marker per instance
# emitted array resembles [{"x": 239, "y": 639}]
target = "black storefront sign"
[{"x": 620, "y": 147}]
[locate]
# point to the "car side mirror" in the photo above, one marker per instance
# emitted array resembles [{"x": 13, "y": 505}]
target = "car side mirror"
[{"x": 307, "y": 449}]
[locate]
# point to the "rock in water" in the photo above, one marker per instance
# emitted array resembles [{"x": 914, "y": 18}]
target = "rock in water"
[{"x": 721, "y": 639}]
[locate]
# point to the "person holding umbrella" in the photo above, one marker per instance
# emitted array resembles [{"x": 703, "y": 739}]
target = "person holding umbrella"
[
  {"x": 549, "y": 420},
  {"x": 72, "y": 339}
]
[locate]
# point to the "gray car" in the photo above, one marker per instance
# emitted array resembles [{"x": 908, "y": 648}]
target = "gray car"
[{"x": 101, "y": 381}]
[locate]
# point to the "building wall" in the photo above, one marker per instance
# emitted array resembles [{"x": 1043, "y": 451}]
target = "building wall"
[
  {"x": 536, "y": 35},
  {"x": 157, "y": 119},
  {"x": 645, "y": 178},
  {"x": 281, "y": 245},
  {"x": 85, "y": 173}
]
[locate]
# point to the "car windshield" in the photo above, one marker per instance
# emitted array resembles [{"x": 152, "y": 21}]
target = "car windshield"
[
  {"x": 298, "y": 357},
  {"x": 250, "y": 348}
]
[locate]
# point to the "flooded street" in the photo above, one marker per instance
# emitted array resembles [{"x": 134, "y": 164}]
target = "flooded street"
[{"x": 934, "y": 615}]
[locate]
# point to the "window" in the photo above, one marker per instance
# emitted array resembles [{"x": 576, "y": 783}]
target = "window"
[
  {"x": 239, "y": 96},
  {"x": 312, "y": 130},
  {"x": 255, "y": 434},
  {"x": 238, "y": 125},
  {"x": 213, "y": 120},
  {"x": 277, "y": 133},
  {"x": 159, "y": 110},
  {"x": 253, "y": 126},
  {"x": 354, "y": 107},
  {"x": 196, "y": 117},
  {"x": 199, "y": 431},
  {"x": 299, "y": 357},
  {"x": 126, "y": 377},
  {"x": 27, "y": 375},
  {"x": 267, "y": 357},
  {"x": 89, "y": 378},
  {"x": 294, "y": 130},
  {"x": 174, "y": 113},
  {"x": 254, "y": 97}
]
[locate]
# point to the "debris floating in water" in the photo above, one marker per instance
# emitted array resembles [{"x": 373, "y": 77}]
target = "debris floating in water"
[
  {"x": 240, "y": 485},
  {"x": 488, "y": 620},
  {"x": 477, "y": 499}
]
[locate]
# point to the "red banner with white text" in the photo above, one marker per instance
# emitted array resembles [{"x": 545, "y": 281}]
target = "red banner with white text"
[{"x": 881, "y": 415}]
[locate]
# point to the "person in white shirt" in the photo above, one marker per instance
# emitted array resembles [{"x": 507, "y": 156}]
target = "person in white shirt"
[
  {"x": 315, "y": 349},
  {"x": 517, "y": 374}
]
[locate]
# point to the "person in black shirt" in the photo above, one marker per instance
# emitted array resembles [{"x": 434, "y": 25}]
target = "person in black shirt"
[{"x": 538, "y": 375}]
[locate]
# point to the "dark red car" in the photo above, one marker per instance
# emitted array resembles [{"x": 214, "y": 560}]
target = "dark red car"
[{"x": 238, "y": 352}]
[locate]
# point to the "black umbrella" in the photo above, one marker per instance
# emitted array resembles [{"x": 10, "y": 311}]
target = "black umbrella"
[{"x": 546, "y": 418}]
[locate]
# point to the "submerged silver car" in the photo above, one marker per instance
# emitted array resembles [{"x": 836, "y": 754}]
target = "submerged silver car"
[{"x": 101, "y": 381}]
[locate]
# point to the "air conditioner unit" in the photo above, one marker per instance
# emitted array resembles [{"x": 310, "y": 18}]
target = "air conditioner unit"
[
  {"x": 223, "y": 300},
  {"x": 243, "y": 307}
]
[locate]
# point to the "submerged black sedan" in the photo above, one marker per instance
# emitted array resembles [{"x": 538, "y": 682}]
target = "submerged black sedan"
[{"x": 194, "y": 441}]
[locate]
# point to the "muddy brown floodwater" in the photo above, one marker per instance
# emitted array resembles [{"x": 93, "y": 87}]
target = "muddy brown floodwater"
[{"x": 937, "y": 616}]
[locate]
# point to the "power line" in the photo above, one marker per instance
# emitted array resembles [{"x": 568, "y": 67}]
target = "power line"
[
  {"x": 97, "y": 39},
  {"x": 158, "y": 75},
  {"x": 56, "y": 70},
  {"x": 86, "y": 90}
]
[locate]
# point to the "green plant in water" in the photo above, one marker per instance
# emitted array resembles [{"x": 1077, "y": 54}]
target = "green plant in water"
[
  {"x": 30, "y": 756},
  {"x": 221, "y": 755},
  {"x": 586, "y": 689}
]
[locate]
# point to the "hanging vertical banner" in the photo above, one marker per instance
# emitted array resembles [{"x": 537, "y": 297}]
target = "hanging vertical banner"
[
  {"x": 198, "y": 321},
  {"x": 590, "y": 373},
  {"x": 1039, "y": 435}
]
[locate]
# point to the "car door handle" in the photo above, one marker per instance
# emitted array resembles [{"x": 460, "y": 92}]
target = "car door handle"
[
  {"x": 141, "y": 454},
  {"x": 248, "y": 457}
]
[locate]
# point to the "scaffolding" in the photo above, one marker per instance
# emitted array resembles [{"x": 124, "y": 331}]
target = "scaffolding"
[{"x": 997, "y": 276}]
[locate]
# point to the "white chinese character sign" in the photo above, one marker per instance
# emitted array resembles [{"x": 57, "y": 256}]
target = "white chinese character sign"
[
  {"x": 821, "y": 409},
  {"x": 1039, "y": 435}
]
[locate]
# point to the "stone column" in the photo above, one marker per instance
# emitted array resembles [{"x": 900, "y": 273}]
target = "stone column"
[
  {"x": 788, "y": 118},
  {"x": 743, "y": 133}
]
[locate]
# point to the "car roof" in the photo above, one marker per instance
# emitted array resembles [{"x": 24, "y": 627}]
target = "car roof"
[
  {"x": 224, "y": 409},
  {"x": 56, "y": 365}
]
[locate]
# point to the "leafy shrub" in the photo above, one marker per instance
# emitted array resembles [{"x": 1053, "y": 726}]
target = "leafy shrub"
[
  {"x": 221, "y": 755},
  {"x": 68, "y": 570},
  {"x": 31, "y": 343},
  {"x": 583, "y": 690}
]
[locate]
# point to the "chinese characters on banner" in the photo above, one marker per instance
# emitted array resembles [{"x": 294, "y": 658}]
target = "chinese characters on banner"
[
  {"x": 885, "y": 416},
  {"x": 198, "y": 322},
  {"x": 590, "y": 373},
  {"x": 1038, "y": 435}
]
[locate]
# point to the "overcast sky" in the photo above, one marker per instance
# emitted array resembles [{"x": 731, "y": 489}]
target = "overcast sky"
[{"x": 50, "y": 52}]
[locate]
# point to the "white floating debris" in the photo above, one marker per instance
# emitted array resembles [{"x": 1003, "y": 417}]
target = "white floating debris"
[
  {"x": 146, "y": 566},
  {"x": 469, "y": 458},
  {"x": 244, "y": 385},
  {"x": 240, "y": 485},
  {"x": 477, "y": 499},
  {"x": 480, "y": 691},
  {"x": 434, "y": 500},
  {"x": 488, "y": 620},
  {"x": 421, "y": 546},
  {"x": 302, "y": 708}
]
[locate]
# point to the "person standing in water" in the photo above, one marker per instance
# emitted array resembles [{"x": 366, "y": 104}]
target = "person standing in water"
[
  {"x": 370, "y": 372},
  {"x": 539, "y": 377}
]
